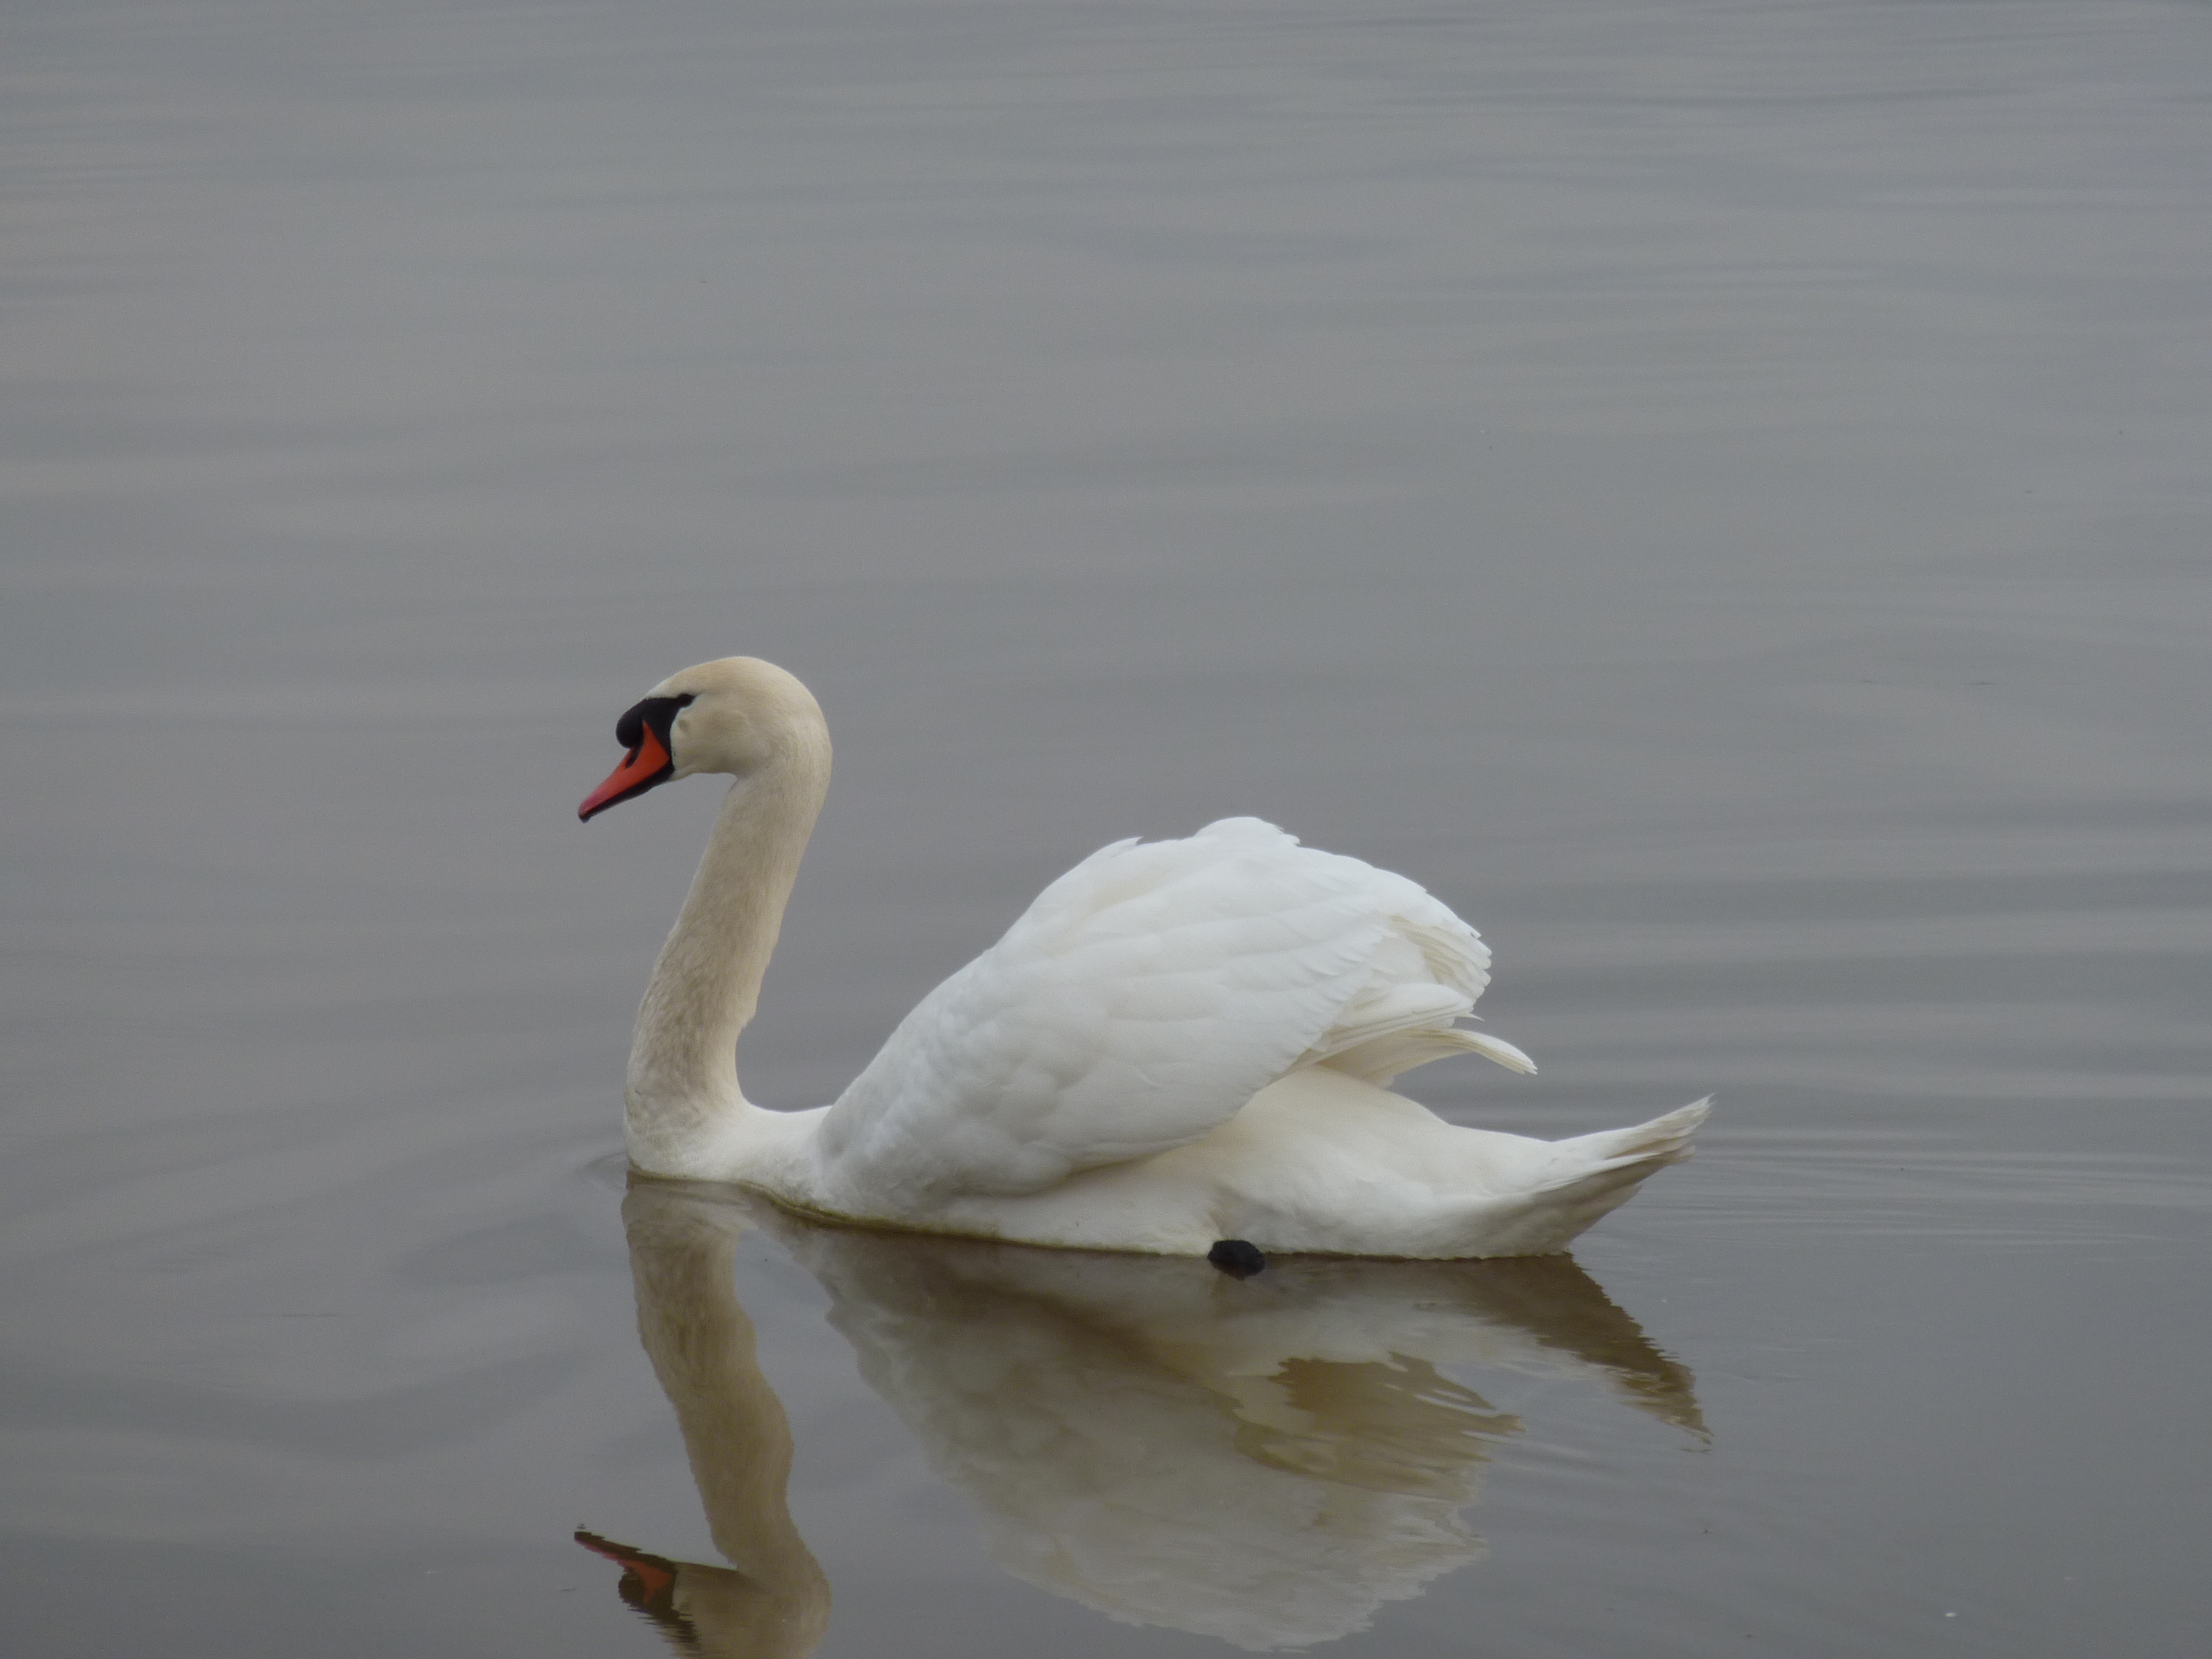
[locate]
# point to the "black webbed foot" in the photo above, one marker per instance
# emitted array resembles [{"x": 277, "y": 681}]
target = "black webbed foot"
[{"x": 1236, "y": 1258}]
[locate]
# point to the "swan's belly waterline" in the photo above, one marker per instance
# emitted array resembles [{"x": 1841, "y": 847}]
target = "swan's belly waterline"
[{"x": 1316, "y": 1163}]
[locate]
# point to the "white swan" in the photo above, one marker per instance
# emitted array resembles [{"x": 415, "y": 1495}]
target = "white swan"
[{"x": 1180, "y": 1043}]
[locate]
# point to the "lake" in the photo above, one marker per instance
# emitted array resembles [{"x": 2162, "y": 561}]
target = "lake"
[{"x": 1714, "y": 490}]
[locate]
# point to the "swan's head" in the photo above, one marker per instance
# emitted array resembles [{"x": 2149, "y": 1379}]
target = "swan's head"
[{"x": 736, "y": 715}]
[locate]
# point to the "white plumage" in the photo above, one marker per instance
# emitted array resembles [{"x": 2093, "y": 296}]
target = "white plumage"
[
  {"x": 1180, "y": 1042},
  {"x": 1145, "y": 997}
]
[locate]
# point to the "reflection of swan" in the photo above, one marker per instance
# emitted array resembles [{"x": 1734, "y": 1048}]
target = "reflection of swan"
[
  {"x": 772, "y": 1602},
  {"x": 1263, "y": 1461},
  {"x": 1179, "y": 1043}
]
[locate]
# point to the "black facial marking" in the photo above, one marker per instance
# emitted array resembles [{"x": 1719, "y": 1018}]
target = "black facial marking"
[
  {"x": 1236, "y": 1258},
  {"x": 654, "y": 713}
]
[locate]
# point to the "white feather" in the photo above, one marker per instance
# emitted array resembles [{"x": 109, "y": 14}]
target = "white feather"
[
  {"x": 1180, "y": 1042},
  {"x": 1143, "y": 998}
]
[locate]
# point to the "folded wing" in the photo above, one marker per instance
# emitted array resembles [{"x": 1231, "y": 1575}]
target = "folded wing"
[{"x": 1142, "y": 1000}]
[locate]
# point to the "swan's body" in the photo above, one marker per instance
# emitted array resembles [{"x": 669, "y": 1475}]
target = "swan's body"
[{"x": 1179, "y": 1042}]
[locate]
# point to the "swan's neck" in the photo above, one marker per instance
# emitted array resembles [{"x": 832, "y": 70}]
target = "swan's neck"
[{"x": 684, "y": 1093}]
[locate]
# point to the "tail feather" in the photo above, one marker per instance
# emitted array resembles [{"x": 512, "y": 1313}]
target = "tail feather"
[
  {"x": 1589, "y": 1176},
  {"x": 1665, "y": 1140}
]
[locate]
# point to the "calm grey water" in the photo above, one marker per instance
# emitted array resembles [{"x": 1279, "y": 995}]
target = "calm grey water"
[{"x": 1716, "y": 490}]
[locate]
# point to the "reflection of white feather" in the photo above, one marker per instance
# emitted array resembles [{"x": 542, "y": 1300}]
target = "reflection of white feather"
[
  {"x": 1154, "y": 1513},
  {"x": 1241, "y": 1505},
  {"x": 1265, "y": 1461}
]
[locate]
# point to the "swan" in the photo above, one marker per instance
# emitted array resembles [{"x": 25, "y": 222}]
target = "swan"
[{"x": 1183, "y": 1047}]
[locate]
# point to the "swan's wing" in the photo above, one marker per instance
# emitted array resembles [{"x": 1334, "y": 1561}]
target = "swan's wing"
[{"x": 1143, "y": 998}]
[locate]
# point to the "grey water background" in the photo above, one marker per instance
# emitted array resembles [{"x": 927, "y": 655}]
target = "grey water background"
[{"x": 1716, "y": 489}]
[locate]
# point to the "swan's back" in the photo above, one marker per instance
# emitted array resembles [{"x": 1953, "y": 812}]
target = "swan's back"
[{"x": 1140, "y": 1002}]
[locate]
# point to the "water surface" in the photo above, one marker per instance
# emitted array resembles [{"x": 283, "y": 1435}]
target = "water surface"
[{"x": 1714, "y": 490}]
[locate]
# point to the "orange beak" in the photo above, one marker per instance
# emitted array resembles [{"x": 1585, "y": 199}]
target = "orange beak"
[{"x": 648, "y": 764}]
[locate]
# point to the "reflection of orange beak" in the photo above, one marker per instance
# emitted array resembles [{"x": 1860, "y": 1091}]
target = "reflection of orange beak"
[
  {"x": 655, "y": 1574},
  {"x": 648, "y": 764}
]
